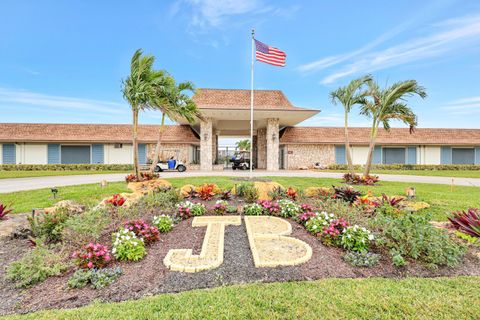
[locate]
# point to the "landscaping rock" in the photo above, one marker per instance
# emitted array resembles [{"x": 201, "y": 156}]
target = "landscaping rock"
[
  {"x": 264, "y": 188},
  {"x": 15, "y": 221},
  {"x": 147, "y": 187},
  {"x": 186, "y": 190},
  {"x": 312, "y": 192},
  {"x": 71, "y": 206}
]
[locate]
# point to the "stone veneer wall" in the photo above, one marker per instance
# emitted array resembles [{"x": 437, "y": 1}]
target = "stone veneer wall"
[
  {"x": 170, "y": 150},
  {"x": 306, "y": 155},
  {"x": 261, "y": 148}
]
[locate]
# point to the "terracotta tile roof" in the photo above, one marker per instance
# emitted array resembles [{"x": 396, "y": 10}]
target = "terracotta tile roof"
[
  {"x": 29, "y": 132},
  {"x": 240, "y": 99},
  {"x": 334, "y": 135}
]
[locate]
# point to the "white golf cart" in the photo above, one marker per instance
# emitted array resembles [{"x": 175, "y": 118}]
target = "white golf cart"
[{"x": 171, "y": 165}]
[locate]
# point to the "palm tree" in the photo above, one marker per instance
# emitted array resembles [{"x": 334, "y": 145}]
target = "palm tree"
[
  {"x": 139, "y": 89},
  {"x": 243, "y": 144},
  {"x": 174, "y": 103},
  {"x": 349, "y": 96},
  {"x": 387, "y": 104}
]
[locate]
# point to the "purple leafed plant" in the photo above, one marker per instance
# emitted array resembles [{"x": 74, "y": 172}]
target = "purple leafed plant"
[
  {"x": 467, "y": 221},
  {"x": 4, "y": 211}
]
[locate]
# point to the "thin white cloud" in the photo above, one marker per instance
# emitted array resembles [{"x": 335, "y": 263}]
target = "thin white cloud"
[
  {"x": 460, "y": 33},
  {"x": 463, "y": 106},
  {"x": 26, "y": 100}
]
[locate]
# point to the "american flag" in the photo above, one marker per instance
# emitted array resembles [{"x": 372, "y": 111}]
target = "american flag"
[{"x": 270, "y": 55}]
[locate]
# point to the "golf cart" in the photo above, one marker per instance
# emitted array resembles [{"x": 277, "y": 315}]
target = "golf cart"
[
  {"x": 171, "y": 165},
  {"x": 241, "y": 161}
]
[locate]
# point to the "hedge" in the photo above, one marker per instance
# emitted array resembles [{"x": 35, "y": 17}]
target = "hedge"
[
  {"x": 426, "y": 167},
  {"x": 65, "y": 167}
]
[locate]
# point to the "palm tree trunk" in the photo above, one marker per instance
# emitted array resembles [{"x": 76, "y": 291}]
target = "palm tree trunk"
[
  {"x": 136, "y": 166},
  {"x": 373, "y": 136},
  {"x": 347, "y": 147},
  {"x": 156, "y": 154}
]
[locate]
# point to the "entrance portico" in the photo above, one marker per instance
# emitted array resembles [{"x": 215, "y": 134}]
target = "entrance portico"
[{"x": 227, "y": 113}]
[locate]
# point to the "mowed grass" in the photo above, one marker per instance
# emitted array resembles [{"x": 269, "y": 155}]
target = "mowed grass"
[
  {"x": 46, "y": 173},
  {"x": 374, "y": 298},
  {"x": 442, "y": 198},
  {"x": 430, "y": 173}
]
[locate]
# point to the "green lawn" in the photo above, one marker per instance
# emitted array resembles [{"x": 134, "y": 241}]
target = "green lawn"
[
  {"x": 442, "y": 198},
  {"x": 374, "y": 298},
  {"x": 432, "y": 173},
  {"x": 45, "y": 173}
]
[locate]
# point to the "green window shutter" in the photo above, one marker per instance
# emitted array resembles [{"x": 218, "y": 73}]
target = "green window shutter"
[
  {"x": 97, "y": 153},
  {"x": 53, "y": 154},
  {"x": 446, "y": 155},
  {"x": 9, "y": 154},
  {"x": 412, "y": 155},
  {"x": 340, "y": 157},
  {"x": 377, "y": 155}
]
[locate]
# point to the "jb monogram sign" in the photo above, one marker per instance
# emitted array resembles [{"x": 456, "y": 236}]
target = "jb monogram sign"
[{"x": 268, "y": 237}]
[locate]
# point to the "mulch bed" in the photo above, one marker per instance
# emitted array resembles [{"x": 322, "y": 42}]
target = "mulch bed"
[{"x": 150, "y": 276}]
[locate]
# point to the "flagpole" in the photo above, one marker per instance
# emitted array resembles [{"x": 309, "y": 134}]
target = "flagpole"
[{"x": 251, "y": 105}]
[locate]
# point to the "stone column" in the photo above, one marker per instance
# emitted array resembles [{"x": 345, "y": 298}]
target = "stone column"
[
  {"x": 261, "y": 148},
  {"x": 206, "y": 147},
  {"x": 272, "y": 144}
]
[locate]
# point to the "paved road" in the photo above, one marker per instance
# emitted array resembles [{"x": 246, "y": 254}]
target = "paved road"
[{"x": 20, "y": 184}]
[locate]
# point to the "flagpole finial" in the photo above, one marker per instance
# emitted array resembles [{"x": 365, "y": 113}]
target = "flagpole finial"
[{"x": 253, "y": 32}]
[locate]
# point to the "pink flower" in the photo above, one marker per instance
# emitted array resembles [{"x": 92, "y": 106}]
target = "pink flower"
[{"x": 90, "y": 265}]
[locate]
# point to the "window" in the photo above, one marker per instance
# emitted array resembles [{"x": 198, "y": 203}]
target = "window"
[
  {"x": 118, "y": 145},
  {"x": 394, "y": 155},
  {"x": 463, "y": 156}
]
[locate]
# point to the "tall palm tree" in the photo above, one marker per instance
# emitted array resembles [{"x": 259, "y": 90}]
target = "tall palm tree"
[
  {"x": 139, "y": 89},
  {"x": 174, "y": 102},
  {"x": 349, "y": 96},
  {"x": 387, "y": 104}
]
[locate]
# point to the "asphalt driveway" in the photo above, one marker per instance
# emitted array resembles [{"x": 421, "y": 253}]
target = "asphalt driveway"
[{"x": 21, "y": 184}]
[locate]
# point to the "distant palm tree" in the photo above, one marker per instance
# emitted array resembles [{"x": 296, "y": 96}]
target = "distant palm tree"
[
  {"x": 387, "y": 104},
  {"x": 243, "y": 145},
  {"x": 174, "y": 103},
  {"x": 349, "y": 96},
  {"x": 140, "y": 90}
]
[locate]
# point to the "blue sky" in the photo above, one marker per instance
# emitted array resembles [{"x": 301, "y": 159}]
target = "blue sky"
[{"x": 63, "y": 61}]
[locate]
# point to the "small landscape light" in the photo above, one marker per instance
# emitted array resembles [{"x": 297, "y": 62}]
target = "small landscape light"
[
  {"x": 54, "y": 192},
  {"x": 410, "y": 192}
]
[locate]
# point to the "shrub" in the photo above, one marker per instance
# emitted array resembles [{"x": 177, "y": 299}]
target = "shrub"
[
  {"x": 116, "y": 200},
  {"x": 65, "y": 167},
  {"x": 206, "y": 191},
  {"x": 85, "y": 227},
  {"x": 220, "y": 207},
  {"x": 356, "y": 238},
  {"x": 467, "y": 221},
  {"x": 367, "y": 205},
  {"x": 36, "y": 266},
  {"x": 470, "y": 239},
  {"x": 92, "y": 256},
  {"x": 226, "y": 195},
  {"x": 291, "y": 193},
  {"x": 187, "y": 209},
  {"x": 269, "y": 207},
  {"x": 163, "y": 223},
  {"x": 97, "y": 278},
  {"x": 288, "y": 208},
  {"x": 164, "y": 200},
  {"x": 247, "y": 190},
  {"x": 127, "y": 247},
  {"x": 427, "y": 167},
  {"x": 361, "y": 259},
  {"x": 357, "y": 179},
  {"x": 277, "y": 193},
  {"x": 232, "y": 209},
  {"x": 49, "y": 225},
  {"x": 389, "y": 205},
  {"x": 413, "y": 236},
  {"x": 346, "y": 193},
  {"x": 4, "y": 211},
  {"x": 252, "y": 209},
  {"x": 149, "y": 234},
  {"x": 331, "y": 234},
  {"x": 316, "y": 224}
]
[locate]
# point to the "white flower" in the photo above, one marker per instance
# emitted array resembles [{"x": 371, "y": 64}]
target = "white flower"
[{"x": 371, "y": 237}]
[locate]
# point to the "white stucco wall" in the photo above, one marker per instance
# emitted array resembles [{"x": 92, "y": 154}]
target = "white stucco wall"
[
  {"x": 34, "y": 154},
  {"x": 359, "y": 154},
  {"x": 431, "y": 155},
  {"x": 122, "y": 155}
]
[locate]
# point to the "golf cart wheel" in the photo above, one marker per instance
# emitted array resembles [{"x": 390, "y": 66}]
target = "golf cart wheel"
[
  {"x": 158, "y": 169},
  {"x": 181, "y": 168}
]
